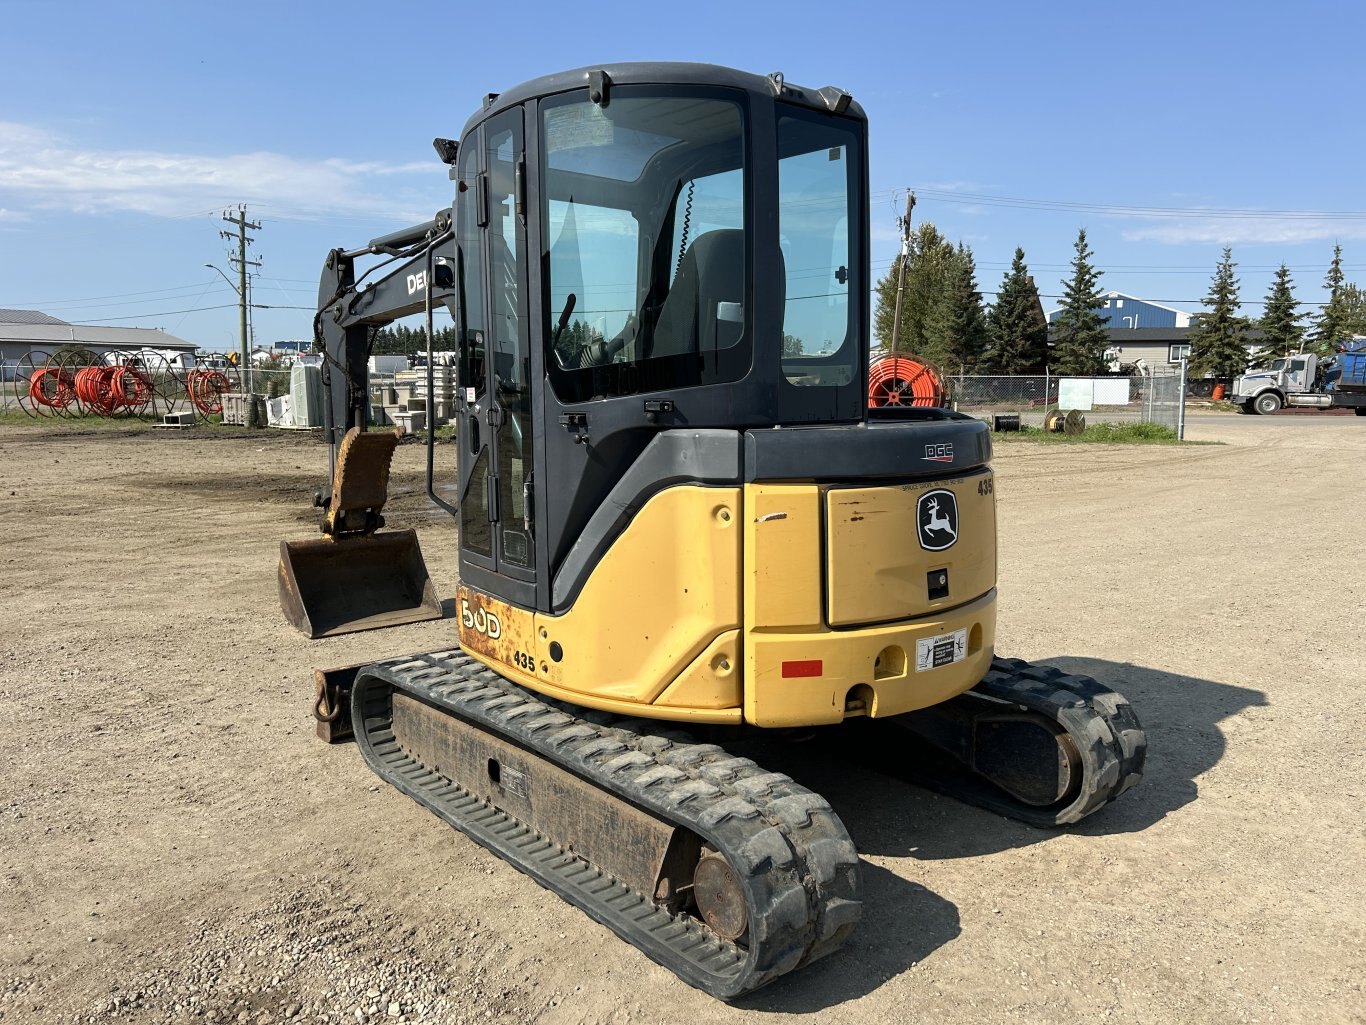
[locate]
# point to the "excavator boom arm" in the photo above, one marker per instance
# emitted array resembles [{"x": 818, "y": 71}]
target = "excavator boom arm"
[{"x": 418, "y": 276}]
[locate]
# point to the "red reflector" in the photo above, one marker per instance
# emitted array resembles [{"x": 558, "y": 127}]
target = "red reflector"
[{"x": 809, "y": 667}]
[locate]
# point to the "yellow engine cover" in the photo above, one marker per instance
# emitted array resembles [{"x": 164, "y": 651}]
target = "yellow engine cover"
[
  {"x": 866, "y": 600},
  {"x": 885, "y": 544},
  {"x": 778, "y": 604},
  {"x": 655, "y": 630}
]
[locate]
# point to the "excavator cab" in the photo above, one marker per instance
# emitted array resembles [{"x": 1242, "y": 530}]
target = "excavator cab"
[
  {"x": 662, "y": 299},
  {"x": 658, "y": 275},
  {"x": 674, "y": 504}
]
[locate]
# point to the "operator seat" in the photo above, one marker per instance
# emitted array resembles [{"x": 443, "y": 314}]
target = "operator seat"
[{"x": 704, "y": 310}]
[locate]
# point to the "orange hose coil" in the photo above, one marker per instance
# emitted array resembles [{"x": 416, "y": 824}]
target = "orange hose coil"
[
  {"x": 206, "y": 388},
  {"x": 105, "y": 390},
  {"x": 52, "y": 388},
  {"x": 904, "y": 381}
]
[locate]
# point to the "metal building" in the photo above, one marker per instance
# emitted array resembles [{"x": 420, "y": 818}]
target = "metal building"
[
  {"x": 24, "y": 332},
  {"x": 1127, "y": 311}
]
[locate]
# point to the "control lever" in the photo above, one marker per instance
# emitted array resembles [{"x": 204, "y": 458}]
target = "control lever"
[{"x": 565, "y": 314}]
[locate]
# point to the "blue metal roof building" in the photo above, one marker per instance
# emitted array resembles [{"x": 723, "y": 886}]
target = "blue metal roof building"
[{"x": 1127, "y": 311}]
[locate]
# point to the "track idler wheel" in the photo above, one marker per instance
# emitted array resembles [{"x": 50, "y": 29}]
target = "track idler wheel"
[
  {"x": 720, "y": 897},
  {"x": 1028, "y": 757},
  {"x": 1031, "y": 742}
]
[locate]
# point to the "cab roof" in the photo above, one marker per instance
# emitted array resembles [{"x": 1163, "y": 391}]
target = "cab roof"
[{"x": 828, "y": 98}]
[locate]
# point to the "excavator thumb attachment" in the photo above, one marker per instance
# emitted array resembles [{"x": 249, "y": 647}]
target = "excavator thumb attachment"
[{"x": 353, "y": 578}]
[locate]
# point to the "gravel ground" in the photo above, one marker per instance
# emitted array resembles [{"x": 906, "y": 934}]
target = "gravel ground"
[{"x": 176, "y": 846}]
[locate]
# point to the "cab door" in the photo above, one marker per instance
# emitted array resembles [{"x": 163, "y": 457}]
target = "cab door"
[
  {"x": 1297, "y": 375},
  {"x": 494, "y": 433}
]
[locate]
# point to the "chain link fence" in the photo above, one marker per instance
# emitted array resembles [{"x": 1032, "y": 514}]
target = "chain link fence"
[
  {"x": 1158, "y": 397},
  {"x": 1164, "y": 399},
  {"x": 1029, "y": 397}
]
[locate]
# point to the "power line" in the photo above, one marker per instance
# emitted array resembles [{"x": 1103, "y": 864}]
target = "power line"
[
  {"x": 197, "y": 298},
  {"x": 96, "y": 298},
  {"x": 1042, "y": 295},
  {"x": 158, "y": 313},
  {"x": 195, "y": 309},
  {"x": 204, "y": 289}
]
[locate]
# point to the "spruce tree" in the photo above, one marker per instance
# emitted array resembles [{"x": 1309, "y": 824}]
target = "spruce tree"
[
  {"x": 1217, "y": 341},
  {"x": 1080, "y": 337},
  {"x": 1280, "y": 323},
  {"x": 1016, "y": 326},
  {"x": 401, "y": 340},
  {"x": 1331, "y": 326},
  {"x": 955, "y": 330},
  {"x": 1353, "y": 311},
  {"x": 926, "y": 277}
]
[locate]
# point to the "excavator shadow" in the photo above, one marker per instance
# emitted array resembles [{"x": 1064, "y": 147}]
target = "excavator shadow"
[
  {"x": 1180, "y": 714},
  {"x": 890, "y": 818},
  {"x": 903, "y": 923}
]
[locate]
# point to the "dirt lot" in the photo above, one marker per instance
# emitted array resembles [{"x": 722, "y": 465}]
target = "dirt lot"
[{"x": 175, "y": 845}]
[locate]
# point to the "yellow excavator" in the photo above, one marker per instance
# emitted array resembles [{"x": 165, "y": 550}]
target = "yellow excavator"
[{"x": 680, "y": 525}]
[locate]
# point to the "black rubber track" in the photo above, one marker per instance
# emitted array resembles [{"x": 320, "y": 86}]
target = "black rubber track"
[
  {"x": 794, "y": 858},
  {"x": 1100, "y": 721}
]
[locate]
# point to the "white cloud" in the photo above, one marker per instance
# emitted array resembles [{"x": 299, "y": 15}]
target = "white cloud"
[
  {"x": 953, "y": 186},
  {"x": 12, "y": 215},
  {"x": 1248, "y": 230},
  {"x": 47, "y": 172}
]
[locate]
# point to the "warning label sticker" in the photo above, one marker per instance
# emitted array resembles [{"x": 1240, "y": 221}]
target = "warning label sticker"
[
  {"x": 946, "y": 649},
  {"x": 515, "y": 782}
]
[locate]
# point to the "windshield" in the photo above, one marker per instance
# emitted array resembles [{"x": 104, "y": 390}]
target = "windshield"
[{"x": 644, "y": 202}]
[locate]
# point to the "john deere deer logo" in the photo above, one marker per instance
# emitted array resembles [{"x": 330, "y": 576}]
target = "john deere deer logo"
[{"x": 937, "y": 518}]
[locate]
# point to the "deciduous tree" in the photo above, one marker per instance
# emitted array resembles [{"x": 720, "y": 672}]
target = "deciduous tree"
[{"x": 927, "y": 272}]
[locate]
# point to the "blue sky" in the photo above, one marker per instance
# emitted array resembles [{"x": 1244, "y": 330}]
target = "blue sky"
[{"x": 126, "y": 130}]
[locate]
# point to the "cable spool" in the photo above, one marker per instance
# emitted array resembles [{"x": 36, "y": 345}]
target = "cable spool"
[
  {"x": 95, "y": 390},
  {"x": 50, "y": 387},
  {"x": 71, "y": 365},
  {"x": 107, "y": 390},
  {"x": 904, "y": 380},
  {"x": 1006, "y": 423},
  {"x": 206, "y": 388},
  {"x": 36, "y": 388},
  {"x": 205, "y": 383},
  {"x": 1070, "y": 422}
]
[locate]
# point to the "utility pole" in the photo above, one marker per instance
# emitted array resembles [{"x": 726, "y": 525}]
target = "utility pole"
[
  {"x": 905, "y": 225},
  {"x": 240, "y": 222}
]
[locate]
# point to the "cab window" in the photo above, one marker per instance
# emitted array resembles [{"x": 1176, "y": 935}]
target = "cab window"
[
  {"x": 816, "y": 196},
  {"x": 645, "y": 200}
]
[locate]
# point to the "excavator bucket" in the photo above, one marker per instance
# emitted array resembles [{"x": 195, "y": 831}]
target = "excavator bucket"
[
  {"x": 336, "y": 586},
  {"x": 353, "y": 578}
]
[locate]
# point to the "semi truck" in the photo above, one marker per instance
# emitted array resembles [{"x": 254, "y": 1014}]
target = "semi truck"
[{"x": 1306, "y": 380}]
